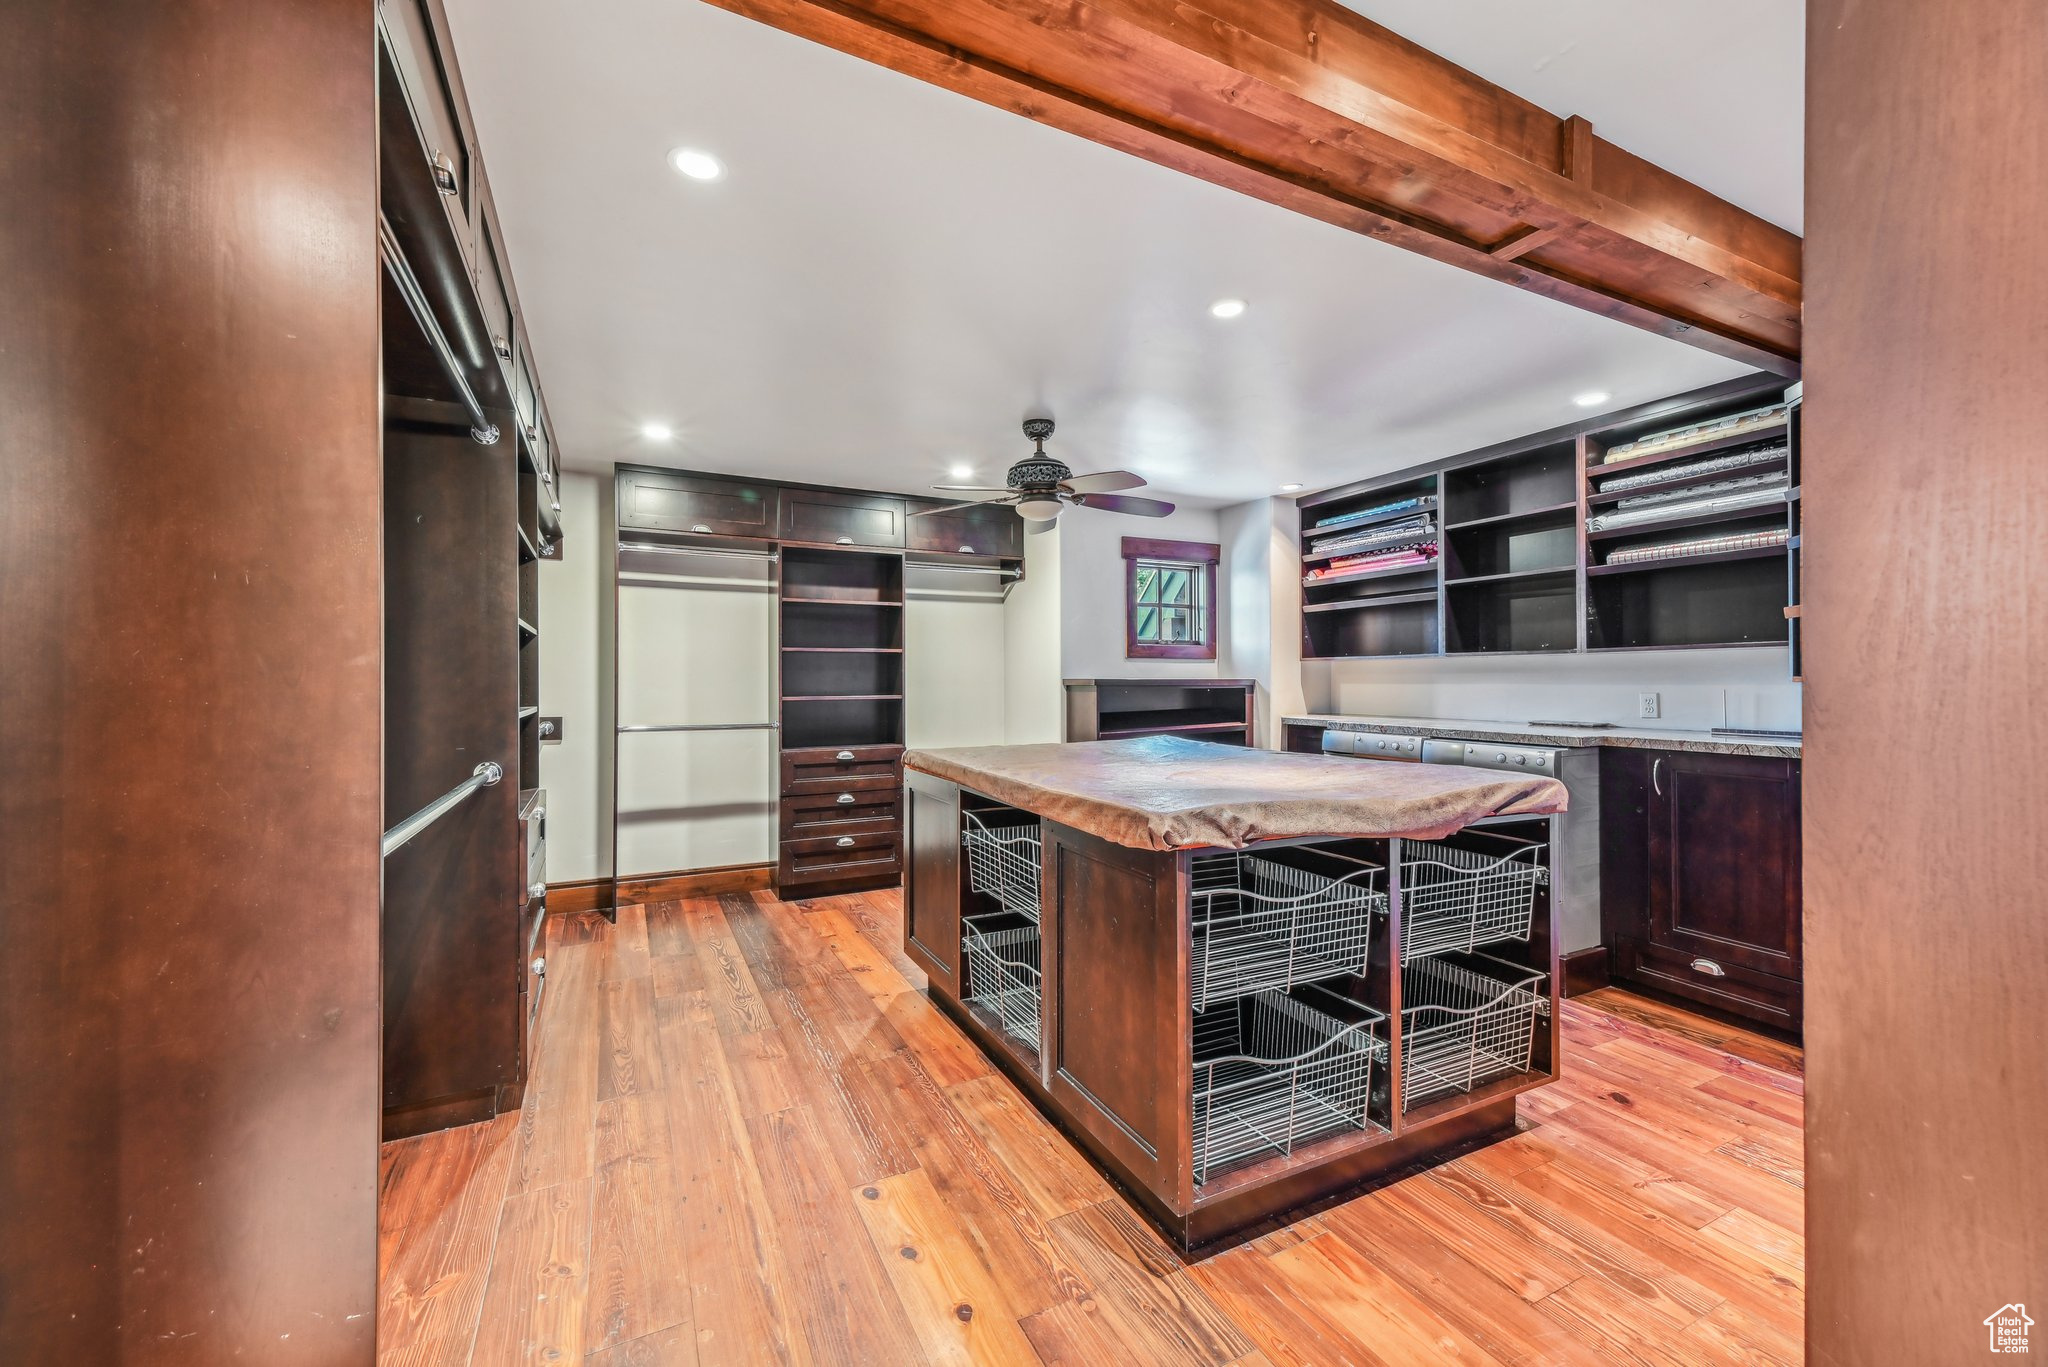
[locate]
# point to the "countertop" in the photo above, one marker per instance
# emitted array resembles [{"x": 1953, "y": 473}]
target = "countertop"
[
  {"x": 1167, "y": 792},
  {"x": 1524, "y": 733}
]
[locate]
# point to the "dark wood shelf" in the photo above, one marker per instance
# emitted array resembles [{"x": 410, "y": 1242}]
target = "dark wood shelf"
[
  {"x": 1511, "y": 574},
  {"x": 842, "y": 697},
  {"x": 1697, "y": 449},
  {"x": 1682, "y": 482},
  {"x": 528, "y": 713},
  {"x": 1164, "y": 719},
  {"x": 527, "y": 631},
  {"x": 843, "y": 650},
  {"x": 1389, "y": 572},
  {"x": 850, "y": 602},
  {"x": 1381, "y": 600},
  {"x": 1429, "y": 506},
  {"x": 1673, "y": 524},
  {"x": 1680, "y": 562},
  {"x": 526, "y": 550},
  {"x": 1551, "y": 511}
]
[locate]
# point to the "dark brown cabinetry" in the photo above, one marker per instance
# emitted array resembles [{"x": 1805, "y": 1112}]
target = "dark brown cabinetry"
[
  {"x": 1218, "y": 710},
  {"x": 830, "y": 518},
  {"x": 965, "y": 531},
  {"x": 1700, "y": 878},
  {"x": 668, "y": 500}
]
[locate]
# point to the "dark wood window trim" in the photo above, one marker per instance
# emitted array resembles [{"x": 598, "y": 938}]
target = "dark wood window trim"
[{"x": 1203, "y": 553}]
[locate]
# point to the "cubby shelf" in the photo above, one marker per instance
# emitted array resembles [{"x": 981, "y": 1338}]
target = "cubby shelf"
[
  {"x": 1755, "y": 437},
  {"x": 1389, "y": 572},
  {"x": 1707, "y": 519},
  {"x": 1604, "y": 497},
  {"x": 1378, "y": 600},
  {"x": 841, "y": 650},
  {"x": 846, "y": 602},
  {"x": 1511, "y": 574},
  {"x": 1681, "y": 561},
  {"x": 1551, "y": 511}
]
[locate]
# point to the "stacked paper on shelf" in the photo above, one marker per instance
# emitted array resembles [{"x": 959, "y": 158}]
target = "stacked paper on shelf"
[
  {"x": 1758, "y": 420},
  {"x": 1756, "y": 455},
  {"x": 1705, "y": 545},
  {"x": 1694, "y": 503},
  {"x": 1346, "y": 519},
  {"x": 1382, "y": 560},
  {"x": 1406, "y": 531}
]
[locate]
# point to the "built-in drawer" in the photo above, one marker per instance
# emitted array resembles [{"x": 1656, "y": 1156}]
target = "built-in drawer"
[
  {"x": 837, "y": 768},
  {"x": 1741, "y": 991},
  {"x": 850, "y": 811},
  {"x": 830, "y": 858}
]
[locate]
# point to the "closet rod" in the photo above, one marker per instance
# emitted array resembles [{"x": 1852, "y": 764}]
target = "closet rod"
[
  {"x": 484, "y": 776},
  {"x": 1003, "y": 570},
  {"x": 709, "y": 726},
  {"x": 736, "y": 554},
  {"x": 481, "y": 428}
]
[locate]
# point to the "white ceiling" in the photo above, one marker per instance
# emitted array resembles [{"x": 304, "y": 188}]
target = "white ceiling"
[{"x": 891, "y": 275}]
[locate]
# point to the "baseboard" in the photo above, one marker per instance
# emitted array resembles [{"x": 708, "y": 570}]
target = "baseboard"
[
  {"x": 441, "y": 1114},
  {"x": 1583, "y": 970},
  {"x": 604, "y": 894}
]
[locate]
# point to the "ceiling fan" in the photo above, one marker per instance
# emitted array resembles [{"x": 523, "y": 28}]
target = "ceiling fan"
[{"x": 1038, "y": 487}]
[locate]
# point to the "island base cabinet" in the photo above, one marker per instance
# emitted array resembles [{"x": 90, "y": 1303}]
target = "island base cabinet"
[{"x": 1700, "y": 878}]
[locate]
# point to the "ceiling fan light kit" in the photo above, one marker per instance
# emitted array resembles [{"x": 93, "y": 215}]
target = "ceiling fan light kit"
[{"x": 1039, "y": 486}]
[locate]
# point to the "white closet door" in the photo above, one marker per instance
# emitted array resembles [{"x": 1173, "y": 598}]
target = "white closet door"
[{"x": 695, "y": 650}]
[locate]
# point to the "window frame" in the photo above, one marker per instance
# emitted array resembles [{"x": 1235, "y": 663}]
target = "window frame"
[{"x": 1202, "y": 555}]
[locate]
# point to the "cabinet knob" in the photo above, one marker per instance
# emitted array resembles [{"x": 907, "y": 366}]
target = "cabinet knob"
[
  {"x": 699, "y": 527},
  {"x": 845, "y": 842},
  {"x": 537, "y": 890},
  {"x": 444, "y": 173},
  {"x": 1709, "y": 967},
  {"x": 843, "y": 799},
  {"x": 501, "y": 346},
  {"x": 967, "y": 550},
  {"x": 844, "y": 755},
  {"x": 540, "y": 967},
  {"x": 844, "y": 541}
]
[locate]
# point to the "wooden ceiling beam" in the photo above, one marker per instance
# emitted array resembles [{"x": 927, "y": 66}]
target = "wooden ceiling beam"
[{"x": 1305, "y": 104}]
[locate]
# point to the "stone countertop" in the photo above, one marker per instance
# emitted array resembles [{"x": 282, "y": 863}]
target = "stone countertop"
[{"x": 1524, "y": 733}]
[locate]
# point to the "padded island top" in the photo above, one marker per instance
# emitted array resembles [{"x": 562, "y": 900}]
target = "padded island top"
[{"x": 1168, "y": 793}]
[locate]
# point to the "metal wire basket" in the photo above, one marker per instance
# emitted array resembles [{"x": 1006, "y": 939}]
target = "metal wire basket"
[
  {"x": 1259, "y": 923},
  {"x": 1465, "y": 1023},
  {"x": 1274, "y": 1071},
  {"x": 1454, "y": 898},
  {"x": 1002, "y": 861},
  {"x": 1003, "y": 972}
]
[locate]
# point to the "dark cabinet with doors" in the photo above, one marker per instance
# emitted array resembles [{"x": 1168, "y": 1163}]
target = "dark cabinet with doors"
[
  {"x": 703, "y": 505},
  {"x": 984, "y": 530},
  {"x": 1700, "y": 878},
  {"x": 832, "y": 518}
]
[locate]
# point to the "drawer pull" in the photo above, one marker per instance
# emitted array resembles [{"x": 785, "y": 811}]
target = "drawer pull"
[
  {"x": 1709, "y": 967},
  {"x": 699, "y": 527},
  {"x": 967, "y": 550},
  {"x": 843, "y": 799},
  {"x": 844, "y": 541},
  {"x": 501, "y": 346},
  {"x": 844, "y": 842},
  {"x": 444, "y": 172},
  {"x": 540, "y": 968},
  {"x": 843, "y": 755},
  {"x": 537, "y": 890}
]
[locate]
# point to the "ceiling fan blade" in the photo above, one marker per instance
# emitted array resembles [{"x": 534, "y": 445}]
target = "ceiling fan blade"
[
  {"x": 1040, "y": 527},
  {"x": 954, "y": 507},
  {"x": 1108, "y": 482},
  {"x": 1119, "y": 503},
  {"x": 975, "y": 488}
]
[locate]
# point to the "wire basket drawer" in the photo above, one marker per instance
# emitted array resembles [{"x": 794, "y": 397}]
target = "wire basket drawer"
[
  {"x": 1261, "y": 924},
  {"x": 1002, "y": 954},
  {"x": 1002, "y": 861},
  {"x": 1454, "y": 898},
  {"x": 1466, "y": 1022},
  {"x": 1274, "y": 1071}
]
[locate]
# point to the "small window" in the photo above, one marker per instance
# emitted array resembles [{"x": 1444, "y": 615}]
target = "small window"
[{"x": 1169, "y": 599}]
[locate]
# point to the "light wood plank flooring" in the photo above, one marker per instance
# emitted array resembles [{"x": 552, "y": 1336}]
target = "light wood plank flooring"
[{"x": 749, "y": 1139}]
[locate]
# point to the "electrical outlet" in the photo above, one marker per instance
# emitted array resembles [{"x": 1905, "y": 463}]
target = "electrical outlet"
[{"x": 1647, "y": 707}]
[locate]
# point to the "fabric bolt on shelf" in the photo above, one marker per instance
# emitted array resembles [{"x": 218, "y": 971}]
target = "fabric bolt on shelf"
[{"x": 1170, "y": 793}]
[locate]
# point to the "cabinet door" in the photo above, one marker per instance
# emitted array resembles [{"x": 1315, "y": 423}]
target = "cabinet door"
[
  {"x": 1724, "y": 860},
  {"x": 1624, "y": 844},
  {"x": 669, "y": 501},
  {"x": 842, "y": 519},
  {"x": 416, "y": 52},
  {"x": 931, "y": 886},
  {"x": 967, "y": 531}
]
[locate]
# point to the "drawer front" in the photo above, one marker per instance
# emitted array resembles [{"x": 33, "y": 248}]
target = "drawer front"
[
  {"x": 660, "y": 500},
  {"x": 1742, "y": 991},
  {"x": 967, "y": 531},
  {"x": 851, "y": 811},
  {"x": 831, "y": 858},
  {"x": 855, "y": 766},
  {"x": 842, "y": 519}
]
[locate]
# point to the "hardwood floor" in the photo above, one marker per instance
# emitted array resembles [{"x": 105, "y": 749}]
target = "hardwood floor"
[{"x": 749, "y": 1139}]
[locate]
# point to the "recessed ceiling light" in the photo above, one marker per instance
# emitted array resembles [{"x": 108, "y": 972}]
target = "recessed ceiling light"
[
  {"x": 657, "y": 431},
  {"x": 1592, "y": 398},
  {"x": 696, "y": 165},
  {"x": 961, "y": 472},
  {"x": 1289, "y": 488},
  {"x": 1228, "y": 308}
]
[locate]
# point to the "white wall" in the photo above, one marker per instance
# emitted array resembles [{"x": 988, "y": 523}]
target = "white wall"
[
  {"x": 1259, "y": 580},
  {"x": 1092, "y": 592},
  {"x": 954, "y": 674},
  {"x": 576, "y": 684},
  {"x": 1034, "y": 706},
  {"x": 1698, "y": 688}
]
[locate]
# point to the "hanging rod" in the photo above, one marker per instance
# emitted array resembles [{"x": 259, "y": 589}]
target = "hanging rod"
[
  {"x": 1003, "y": 570},
  {"x": 481, "y": 428},
  {"x": 483, "y": 776},
  {"x": 634, "y": 547},
  {"x": 709, "y": 726}
]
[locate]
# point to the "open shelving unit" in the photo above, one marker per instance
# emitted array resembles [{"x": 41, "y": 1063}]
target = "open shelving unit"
[
  {"x": 1218, "y": 710},
  {"x": 842, "y": 648},
  {"x": 1518, "y": 571}
]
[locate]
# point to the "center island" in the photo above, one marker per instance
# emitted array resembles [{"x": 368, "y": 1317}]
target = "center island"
[{"x": 1241, "y": 981}]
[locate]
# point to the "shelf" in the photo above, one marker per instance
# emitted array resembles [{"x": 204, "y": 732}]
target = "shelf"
[
  {"x": 842, "y": 650},
  {"x": 1112, "y": 723},
  {"x": 842, "y": 697},
  {"x": 1679, "y": 562},
  {"x": 1429, "y": 505},
  {"x": 1682, "y": 482},
  {"x": 1389, "y": 572},
  {"x": 1703, "y": 448},
  {"x": 528, "y": 713},
  {"x": 526, "y": 550},
  {"x": 1552, "y": 511},
  {"x": 1670, "y": 524},
  {"x": 1383, "y": 600},
  {"x": 1175, "y": 729},
  {"x": 850, "y": 602},
  {"x": 1429, "y": 533},
  {"x": 1512, "y": 574},
  {"x": 527, "y": 631}
]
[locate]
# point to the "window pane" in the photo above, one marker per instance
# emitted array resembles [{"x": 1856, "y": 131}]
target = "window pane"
[
  {"x": 1148, "y": 583},
  {"x": 1177, "y": 626},
  {"x": 1148, "y": 624},
  {"x": 1174, "y": 584}
]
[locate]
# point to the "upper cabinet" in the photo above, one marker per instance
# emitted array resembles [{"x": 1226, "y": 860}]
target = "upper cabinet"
[
  {"x": 673, "y": 501},
  {"x": 430, "y": 93},
  {"x": 983, "y": 529},
  {"x": 842, "y": 519}
]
